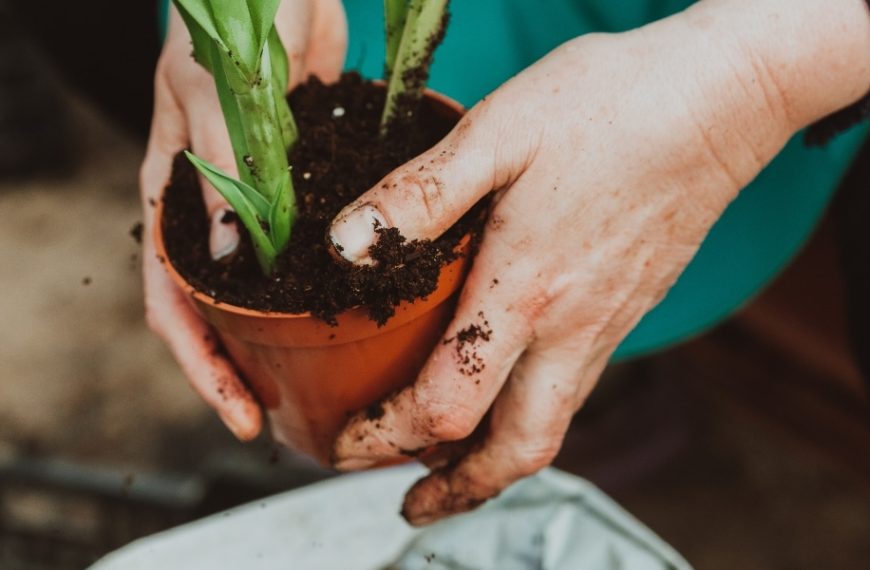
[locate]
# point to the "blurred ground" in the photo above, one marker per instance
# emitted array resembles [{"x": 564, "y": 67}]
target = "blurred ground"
[
  {"x": 86, "y": 390},
  {"x": 80, "y": 374}
]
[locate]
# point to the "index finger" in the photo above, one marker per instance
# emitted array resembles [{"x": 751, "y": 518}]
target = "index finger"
[{"x": 462, "y": 377}]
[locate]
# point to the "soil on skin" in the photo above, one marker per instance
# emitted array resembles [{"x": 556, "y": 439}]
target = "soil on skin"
[
  {"x": 470, "y": 362},
  {"x": 338, "y": 157}
]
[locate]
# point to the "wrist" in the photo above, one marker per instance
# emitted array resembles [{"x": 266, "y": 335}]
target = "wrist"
[{"x": 753, "y": 73}]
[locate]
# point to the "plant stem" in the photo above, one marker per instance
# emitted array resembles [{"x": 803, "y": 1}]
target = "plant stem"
[
  {"x": 237, "y": 42},
  {"x": 395, "y": 15},
  {"x": 264, "y": 126},
  {"x": 423, "y": 31}
]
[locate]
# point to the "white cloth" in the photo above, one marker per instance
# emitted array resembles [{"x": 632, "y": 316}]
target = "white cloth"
[{"x": 552, "y": 521}]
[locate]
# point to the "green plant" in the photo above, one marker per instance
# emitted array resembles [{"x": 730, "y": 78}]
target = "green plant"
[
  {"x": 414, "y": 28},
  {"x": 236, "y": 41}
]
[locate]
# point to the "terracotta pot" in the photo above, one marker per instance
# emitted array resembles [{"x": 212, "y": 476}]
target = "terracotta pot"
[{"x": 310, "y": 376}]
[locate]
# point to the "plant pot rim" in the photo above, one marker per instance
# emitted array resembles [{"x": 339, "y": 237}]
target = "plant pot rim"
[
  {"x": 462, "y": 249},
  {"x": 204, "y": 300}
]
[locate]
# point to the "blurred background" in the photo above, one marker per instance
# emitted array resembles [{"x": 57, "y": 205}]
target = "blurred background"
[{"x": 748, "y": 447}]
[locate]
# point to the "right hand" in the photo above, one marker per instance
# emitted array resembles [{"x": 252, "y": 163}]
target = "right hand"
[{"x": 187, "y": 114}]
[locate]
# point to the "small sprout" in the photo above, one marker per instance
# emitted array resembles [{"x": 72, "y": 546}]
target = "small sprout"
[
  {"x": 238, "y": 44},
  {"x": 414, "y": 28}
]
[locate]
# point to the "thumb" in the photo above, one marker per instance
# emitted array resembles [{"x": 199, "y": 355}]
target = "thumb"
[{"x": 427, "y": 195}]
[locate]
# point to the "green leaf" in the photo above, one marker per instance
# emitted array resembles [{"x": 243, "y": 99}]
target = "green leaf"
[
  {"x": 395, "y": 14},
  {"x": 202, "y": 31},
  {"x": 232, "y": 117},
  {"x": 279, "y": 60},
  {"x": 289, "y": 130},
  {"x": 233, "y": 22},
  {"x": 198, "y": 11},
  {"x": 244, "y": 26},
  {"x": 221, "y": 179},
  {"x": 419, "y": 40},
  {"x": 280, "y": 71},
  {"x": 237, "y": 195},
  {"x": 263, "y": 14},
  {"x": 281, "y": 216}
]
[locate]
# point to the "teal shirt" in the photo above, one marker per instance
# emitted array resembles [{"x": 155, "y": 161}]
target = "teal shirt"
[{"x": 491, "y": 40}]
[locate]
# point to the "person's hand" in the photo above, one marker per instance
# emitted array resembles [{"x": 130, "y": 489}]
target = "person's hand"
[
  {"x": 187, "y": 114},
  {"x": 612, "y": 158}
]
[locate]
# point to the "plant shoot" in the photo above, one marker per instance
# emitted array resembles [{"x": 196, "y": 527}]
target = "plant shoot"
[
  {"x": 236, "y": 41},
  {"x": 414, "y": 28}
]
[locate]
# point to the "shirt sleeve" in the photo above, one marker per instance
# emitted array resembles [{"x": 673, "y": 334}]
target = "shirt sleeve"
[{"x": 823, "y": 131}]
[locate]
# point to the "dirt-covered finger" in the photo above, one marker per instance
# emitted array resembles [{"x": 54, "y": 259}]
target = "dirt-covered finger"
[
  {"x": 461, "y": 378},
  {"x": 529, "y": 421},
  {"x": 198, "y": 351},
  {"x": 427, "y": 195}
]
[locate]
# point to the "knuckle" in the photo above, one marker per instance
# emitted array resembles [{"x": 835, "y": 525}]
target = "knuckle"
[
  {"x": 452, "y": 429},
  {"x": 425, "y": 191},
  {"x": 445, "y": 422},
  {"x": 532, "y": 459},
  {"x": 535, "y": 302},
  {"x": 164, "y": 69}
]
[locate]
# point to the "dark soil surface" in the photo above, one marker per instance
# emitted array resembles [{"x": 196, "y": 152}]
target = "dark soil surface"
[{"x": 338, "y": 157}]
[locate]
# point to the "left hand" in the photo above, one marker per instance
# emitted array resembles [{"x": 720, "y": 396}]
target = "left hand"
[
  {"x": 187, "y": 114},
  {"x": 612, "y": 157}
]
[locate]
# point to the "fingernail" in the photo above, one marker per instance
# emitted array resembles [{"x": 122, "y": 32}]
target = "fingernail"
[
  {"x": 239, "y": 426},
  {"x": 354, "y": 464},
  {"x": 420, "y": 515},
  {"x": 224, "y": 236},
  {"x": 354, "y": 233},
  {"x": 422, "y": 519}
]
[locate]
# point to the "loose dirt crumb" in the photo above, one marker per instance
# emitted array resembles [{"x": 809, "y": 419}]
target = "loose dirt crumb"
[
  {"x": 470, "y": 361},
  {"x": 136, "y": 232},
  {"x": 375, "y": 411}
]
